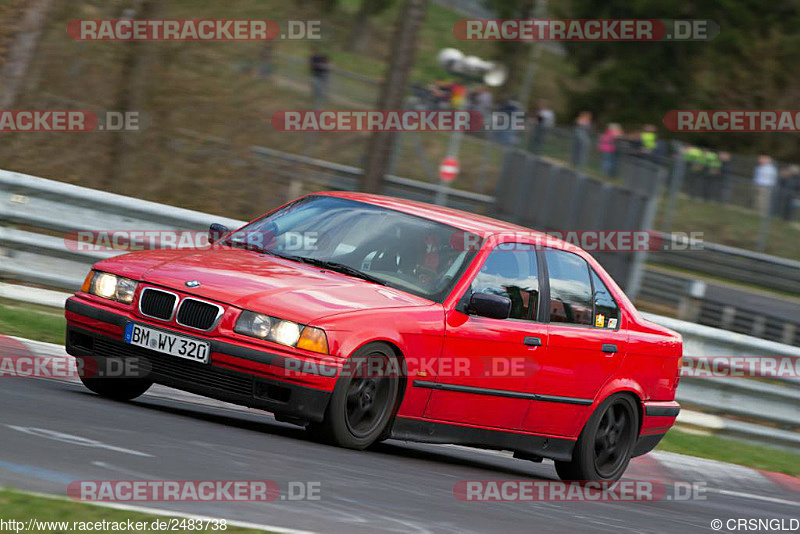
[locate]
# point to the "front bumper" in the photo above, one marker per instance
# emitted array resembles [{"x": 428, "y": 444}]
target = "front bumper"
[{"x": 235, "y": 373}]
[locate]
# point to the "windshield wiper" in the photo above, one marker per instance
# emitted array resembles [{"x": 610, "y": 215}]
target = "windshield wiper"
[
  {"x": 330, "y": 265},
  {"x": 338, "y": 267},
  {"x": 245, "y": 245}
]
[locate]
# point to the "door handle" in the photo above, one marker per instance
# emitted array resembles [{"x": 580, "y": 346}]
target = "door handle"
[
  {"x": 609, "y": 348},
  {"x": 533, "y": 341}
]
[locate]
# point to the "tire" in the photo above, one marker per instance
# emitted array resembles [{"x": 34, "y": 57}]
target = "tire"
[
  {"x": 362, "y": 405},
  {"x": 604, "y": 447},
  {"x": 117, "y": 388}
]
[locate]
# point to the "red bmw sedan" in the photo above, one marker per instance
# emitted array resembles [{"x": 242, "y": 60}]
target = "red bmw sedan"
[{"x": 365, "y": 318}]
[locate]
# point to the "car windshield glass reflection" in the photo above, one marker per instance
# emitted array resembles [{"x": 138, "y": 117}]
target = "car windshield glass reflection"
[{"x": 376, "y": 244}]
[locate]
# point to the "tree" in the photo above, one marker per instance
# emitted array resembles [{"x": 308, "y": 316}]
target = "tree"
[
  {"x": 514, "y": 54},
  {"x": 404, "y": 46},
  {"x": 751, "y": 64},
  {"x": 359, "y": 29},
  {"x": 21, "y": 51}
]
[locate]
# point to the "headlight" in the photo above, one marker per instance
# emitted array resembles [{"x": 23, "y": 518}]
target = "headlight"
[
  {"x": 281, "y": 331},
  {"x": 286, "y": 333},
  {"x": 110, "y": 286}
]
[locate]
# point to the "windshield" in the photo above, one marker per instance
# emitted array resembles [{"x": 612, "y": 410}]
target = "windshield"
[{"x": 378, "y": 244}]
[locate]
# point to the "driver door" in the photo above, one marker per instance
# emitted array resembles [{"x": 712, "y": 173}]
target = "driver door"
[{"x": 492, "y": 360}]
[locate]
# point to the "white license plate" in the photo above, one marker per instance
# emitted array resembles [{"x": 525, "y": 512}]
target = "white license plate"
[{"x": 174, "y": 345}]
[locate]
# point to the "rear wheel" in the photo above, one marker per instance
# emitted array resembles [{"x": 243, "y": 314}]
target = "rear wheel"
[
  {"x": 604, "y": 447},
  {"x": 363, "y": 401}
]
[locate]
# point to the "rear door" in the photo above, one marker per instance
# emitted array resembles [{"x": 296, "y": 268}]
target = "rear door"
[
  {"x": 586, "y": 345},
  {"x": 493, "y": 360}
]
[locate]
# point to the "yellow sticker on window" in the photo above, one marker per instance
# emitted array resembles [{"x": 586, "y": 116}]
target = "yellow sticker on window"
[{"x": 600, "y": 320}]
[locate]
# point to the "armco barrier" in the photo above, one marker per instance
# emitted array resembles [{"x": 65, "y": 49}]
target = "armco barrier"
[{"x": 759, "y": 410}]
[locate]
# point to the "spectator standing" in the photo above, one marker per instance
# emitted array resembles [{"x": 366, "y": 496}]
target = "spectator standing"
[
  {"x": 764, "y": 178},
  {"x": 695, "y": 168},
  {"x": 507, "y": 135},
  {"x": 320, "y": 68},
  {"x": 483, "y": 103},
  {"x": 581, "y": 139},
  {"x": 726, "y": 186},
  {"x": 795, "y": 188},
  {"x": 442, "y": 90},
  {"x": 711, "y": 176},
  {"x": 608, "y": 145},
  {"x": 788, "y": 192},
  {"x": 544, "y": 120},
  {"x": 266, "y": 59},
  {"x": 458, "y": 95},
  {"x": 648, "y": 139}
]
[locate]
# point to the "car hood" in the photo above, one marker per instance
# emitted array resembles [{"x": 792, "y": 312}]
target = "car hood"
[{"x": 266, "y": 284}]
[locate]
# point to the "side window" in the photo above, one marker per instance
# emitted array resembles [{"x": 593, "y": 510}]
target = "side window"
[
  {"x": 570, "y": 288},
  {"x": 606, "y": 311},
  {"x": 511, "y": 271}
]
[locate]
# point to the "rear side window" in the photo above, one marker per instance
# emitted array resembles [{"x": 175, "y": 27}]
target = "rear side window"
[
  {"x": 606, "y": 311},
  {"x": 570, "y": 288},
  {"x": 511, "y": 271}
]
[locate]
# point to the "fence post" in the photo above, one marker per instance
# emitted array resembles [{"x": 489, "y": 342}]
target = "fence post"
[
  {"x": 766, "y": 219},
  {"x": 637, "y": 261},
  {"x": 676, "y": 178}
]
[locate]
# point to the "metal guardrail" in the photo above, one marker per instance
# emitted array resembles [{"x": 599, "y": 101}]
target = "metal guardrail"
[
  {"x": 721, "y": 305},
  {"x": 749, "y": 267},
  {"x": 46, "y": 210},
  {"x": 760, "y": 410}
]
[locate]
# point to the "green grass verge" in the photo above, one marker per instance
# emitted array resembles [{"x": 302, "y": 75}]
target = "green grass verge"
[
  {"x": 32, "y": 322},
  {"x": 23, "y": 507},
  {"x": 736, "y": 226},
  {"x": 731, "y": 451}
]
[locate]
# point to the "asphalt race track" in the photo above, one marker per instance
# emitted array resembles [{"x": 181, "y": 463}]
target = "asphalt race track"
[{"x": 398, "y": 487}]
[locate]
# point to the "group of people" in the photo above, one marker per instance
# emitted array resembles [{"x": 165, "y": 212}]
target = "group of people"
[
  {"x": 448, "y": 94},
  {"x": 708, "y": 174},
  {"x": 709, "y": 177},
  {"x": 613, "y": 142}
]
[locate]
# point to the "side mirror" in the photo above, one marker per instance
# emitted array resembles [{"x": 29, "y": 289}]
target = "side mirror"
[
  {"x": 488, "y": 305},
  {"x": 216, "y": 231}
]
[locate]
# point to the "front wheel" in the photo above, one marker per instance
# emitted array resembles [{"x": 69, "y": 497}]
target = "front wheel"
[
  {"x": 117, "y": 388},
  {"x": 363, "y": 401},
  {"x": 604, "y": 447}
]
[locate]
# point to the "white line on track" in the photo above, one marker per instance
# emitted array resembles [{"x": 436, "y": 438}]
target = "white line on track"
[
  {"x": 743, "y": 495},
  {"x": 75, "y": 440}
]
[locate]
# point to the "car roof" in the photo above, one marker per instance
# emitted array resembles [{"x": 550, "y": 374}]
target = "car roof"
[{"x": 469, "y": 222}]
